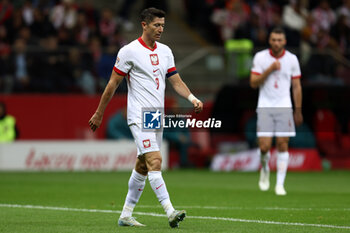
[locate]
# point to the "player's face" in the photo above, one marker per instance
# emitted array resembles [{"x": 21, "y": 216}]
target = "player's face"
[
  {"x": 155, "y": 28},
  {"x": 277, "y": 42}
]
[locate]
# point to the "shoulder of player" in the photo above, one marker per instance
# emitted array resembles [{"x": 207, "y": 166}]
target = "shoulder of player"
[
  {"x": 291, "y": 55},
  {"x": 163, "y": 47},
  {"x": 129, "y": 49},
  {"x": 262, "y": 54}
]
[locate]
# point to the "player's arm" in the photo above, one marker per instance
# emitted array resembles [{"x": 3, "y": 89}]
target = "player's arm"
[
  {"x": 297, "y": 97},
  {"x": 181, "y": 88},
  {"x": 107, "y": 95},
  {"x": 257, "y": 79}
]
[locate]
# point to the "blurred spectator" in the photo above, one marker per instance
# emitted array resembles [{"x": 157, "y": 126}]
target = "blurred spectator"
[
  {"x": 44, "y": 79},
  {"x": 25, "y": 34},
  {"x": 230, "y": 18},
  {"x": 107, "y": 26},
  {"x": 15, "y": 24},
  {"x": 28, "y": 13},
  {"x": 294, "y": 19},
  {"x": 124, "y": 15},
  {"x": 267, "y": 13},
  {"x": 79, "y": 70},
  {"x": 117, "y": 126},
  {"x": 118, "y": 40},
  {"x": 324, "y": 17},
  {"x": 64, "y": 14},
  {"x": 104, "y": 64},
  {"x": 41, "y": 26},
  {"x": 65, "y": 37},
  {"x": 20, "y": 62},
  {"x": 8, "y": 129},
  {"x": 91, "y": 15},
  {"x": 345, "y": 10},
  {"x": 340, "y": 33},
  {"x": 6, "y": 10},
  {"x": 82, "y": 30},
  {"x": 257, "y": 33}
]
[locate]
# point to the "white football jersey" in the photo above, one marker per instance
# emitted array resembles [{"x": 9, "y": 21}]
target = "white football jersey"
[
  {"x": 275, "y": 91},
  {"x": 146, "y": 70}
]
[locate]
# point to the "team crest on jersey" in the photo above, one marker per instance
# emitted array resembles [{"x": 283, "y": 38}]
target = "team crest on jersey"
[
  {"x": 154, "y": 59},
  {"x": 146, "y": 143}
]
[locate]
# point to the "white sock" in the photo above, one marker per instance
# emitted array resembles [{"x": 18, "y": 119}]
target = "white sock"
[
  {"x": 137, "y": 183},
  {"x": 159, "y": 188},
  {"x": 282, "y": 166},
  {"x": 264, "y": 160}
]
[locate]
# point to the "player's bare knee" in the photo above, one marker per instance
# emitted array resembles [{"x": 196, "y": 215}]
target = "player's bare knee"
[
  {"x": 264, "y": 148},
  {"x": 141, "y": 166},
  {"x": 282, "y": 147},
  {"x": 155, "y": 164},
  {"x": 282, "y": 144}
]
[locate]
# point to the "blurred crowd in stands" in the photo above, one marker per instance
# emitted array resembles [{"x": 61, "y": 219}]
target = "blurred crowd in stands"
[
  {"x": 57, "y": 46},
  {"x": 318, "y": 31},
  {"x": 68, "y": 46}
]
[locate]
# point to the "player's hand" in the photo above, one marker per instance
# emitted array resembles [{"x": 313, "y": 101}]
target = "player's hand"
[
  {"x": 95, "y": 121},
  {"x": 198, "y": 106},
  {"x": 276, "y": 65},
  {"x": 298, "y": 117}
]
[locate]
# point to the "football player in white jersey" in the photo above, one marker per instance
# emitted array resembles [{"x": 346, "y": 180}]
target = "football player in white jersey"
[
  {"x": 146, "y": 63},
  {"x": 274, "y": 71}
]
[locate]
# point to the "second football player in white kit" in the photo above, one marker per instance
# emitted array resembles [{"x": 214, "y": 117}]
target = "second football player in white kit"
[{"x": 274, "y": 71}]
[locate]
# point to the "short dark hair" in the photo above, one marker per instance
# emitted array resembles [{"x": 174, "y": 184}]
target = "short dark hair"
[
  {"x": 147, "y": 15},
  {"x": 278, "y": 30}
]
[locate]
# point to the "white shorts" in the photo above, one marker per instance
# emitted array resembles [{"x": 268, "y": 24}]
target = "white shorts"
[
  {"x": 146, "y": 141},
  {"x": 277, "y": 122}
]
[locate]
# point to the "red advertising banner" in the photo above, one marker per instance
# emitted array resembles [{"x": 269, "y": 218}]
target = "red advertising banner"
[{"x": 299, "y": 160}]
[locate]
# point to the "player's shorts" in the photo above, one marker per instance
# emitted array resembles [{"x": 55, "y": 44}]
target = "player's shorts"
[
  {"x": 146, "y": 141},
  {"x": 278, "y": 122}
]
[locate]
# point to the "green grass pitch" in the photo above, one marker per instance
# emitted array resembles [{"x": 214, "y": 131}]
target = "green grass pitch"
[{"x": 215, "y": 202}]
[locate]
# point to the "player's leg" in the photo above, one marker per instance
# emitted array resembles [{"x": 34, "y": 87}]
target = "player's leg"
[
  {"x": 284, "y": 129},
  {"x": 265, "y": 131},
  {"x": 136, "y": 182},
  {"x": 136, "y": 185},
  {"x": 264, "y": 151},
  {"x": 282, "y": 164},
  {"x": 154, "y": 163}
]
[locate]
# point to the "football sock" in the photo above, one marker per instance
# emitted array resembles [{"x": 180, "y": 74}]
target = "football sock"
[
  {"x": 264, "y": 159},
  {"x": 137, "y": 183},
  {"x": 159, "y": 188},
  {"x": 282, "y": 165}
]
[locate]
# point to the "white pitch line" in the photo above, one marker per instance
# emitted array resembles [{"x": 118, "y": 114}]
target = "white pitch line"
[
  {"x": 162, "y": 215},
  {"x": 248, "y": 208}
]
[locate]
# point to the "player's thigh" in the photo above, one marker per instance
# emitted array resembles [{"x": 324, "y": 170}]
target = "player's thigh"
[
  {"x": 284, "y": 123},
  {"x": 265, "y": 143},
  {"x": 282, "y": 143},
  {"x": 265, "y": 126},
  {"x": 153, "y": 160}
]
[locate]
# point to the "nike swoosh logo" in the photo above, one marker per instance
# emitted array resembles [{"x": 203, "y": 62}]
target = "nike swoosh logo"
[
  {"x": 159, "y": 186},
  {"x": 155, "y": 70}
]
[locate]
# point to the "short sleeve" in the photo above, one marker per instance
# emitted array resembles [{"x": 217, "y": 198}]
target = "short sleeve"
[
  {"x": 296, "y": 73},
  {"x": 257, "y": 67},
  {"x": 123, "y": 62},
  {"x": 171, "y": 69}
]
